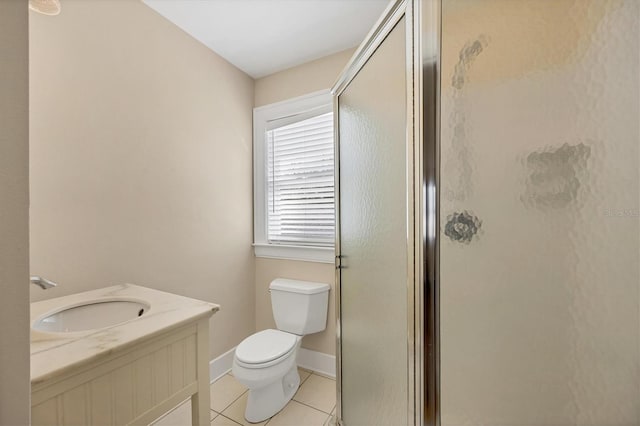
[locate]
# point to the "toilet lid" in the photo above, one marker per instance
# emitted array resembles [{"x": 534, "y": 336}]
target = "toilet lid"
[{"x": 265, "y": 346}]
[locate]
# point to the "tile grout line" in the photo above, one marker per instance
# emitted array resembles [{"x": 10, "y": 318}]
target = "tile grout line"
[
  {"x": 313, "y": 373},
  {"x": 323, "y": 376},
  {"x": 307, "y": 405},
  {"x": 230, "y": 419},
  {"x": 231, "y": 403},
  {"x": 317, "y": 409},
  {"x": 305, "y": 379}
]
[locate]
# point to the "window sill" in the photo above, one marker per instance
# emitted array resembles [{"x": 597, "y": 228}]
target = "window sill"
[{"x": 304, "y": 253}]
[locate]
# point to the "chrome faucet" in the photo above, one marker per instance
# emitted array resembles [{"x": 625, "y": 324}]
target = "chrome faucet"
[{"x": 43, "y": 283}]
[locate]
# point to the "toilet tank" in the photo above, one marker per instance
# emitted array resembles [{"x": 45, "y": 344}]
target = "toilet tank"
[{"x": 299, "y": 307}]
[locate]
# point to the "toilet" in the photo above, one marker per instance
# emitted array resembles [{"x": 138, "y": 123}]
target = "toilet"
[{"x": 265, "y": 362}]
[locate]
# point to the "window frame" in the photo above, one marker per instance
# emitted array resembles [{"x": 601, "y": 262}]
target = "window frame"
[{"x": 291, "y": 110}]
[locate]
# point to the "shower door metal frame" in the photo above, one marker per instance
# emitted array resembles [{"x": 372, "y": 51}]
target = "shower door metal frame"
[
  {"x": 428, "y": 33},
  {"x": 422, "y": 165}
]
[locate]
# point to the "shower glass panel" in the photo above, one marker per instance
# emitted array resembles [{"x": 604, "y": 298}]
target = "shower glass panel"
[
  {"x": 373, "y": 243},
  {"x": 539, "y": 235}
]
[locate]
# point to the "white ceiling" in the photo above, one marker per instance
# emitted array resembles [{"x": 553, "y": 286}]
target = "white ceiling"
[{"x": 265, "y": 36}]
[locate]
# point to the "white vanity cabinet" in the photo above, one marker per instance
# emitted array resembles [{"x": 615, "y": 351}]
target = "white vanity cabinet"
[{"x": 123, "y": 375}]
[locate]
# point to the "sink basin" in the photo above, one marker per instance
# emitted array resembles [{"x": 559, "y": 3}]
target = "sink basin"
[{"x": 90, "y": 315}]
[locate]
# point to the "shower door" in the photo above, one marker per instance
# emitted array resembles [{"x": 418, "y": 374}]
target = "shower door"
[
  {"x": 375, "y": 227},
  {"x": 539, "y": 214}
]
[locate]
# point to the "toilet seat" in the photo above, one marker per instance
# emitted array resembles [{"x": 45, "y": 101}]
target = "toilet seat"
[{"x": 265, "y": 348}]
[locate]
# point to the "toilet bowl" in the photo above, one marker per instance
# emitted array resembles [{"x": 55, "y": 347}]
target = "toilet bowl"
[{"x": 265, "y": 362}]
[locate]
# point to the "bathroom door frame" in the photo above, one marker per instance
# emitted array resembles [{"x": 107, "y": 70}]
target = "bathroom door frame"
[{"x": 423, "y": 38}]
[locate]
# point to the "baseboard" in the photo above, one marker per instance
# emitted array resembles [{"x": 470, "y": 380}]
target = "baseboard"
[
  {"x": 311, "y": 360},
  {"x": 317, "y": 361},
  {"x": 221, "y": 365}
]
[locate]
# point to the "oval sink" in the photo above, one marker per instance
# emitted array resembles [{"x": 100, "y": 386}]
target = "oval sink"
[{"x": 90, "y": 315}]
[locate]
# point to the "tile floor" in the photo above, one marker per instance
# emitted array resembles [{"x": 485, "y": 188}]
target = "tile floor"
[{"x": 312, "y": 405}]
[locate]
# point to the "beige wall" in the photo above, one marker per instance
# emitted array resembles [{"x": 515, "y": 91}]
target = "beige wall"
[
  {"x": 290, "y": 83},
  {"x": 14, "y": 213},
  {"x": 140, "y": 161},
  {"x": 301, "y": 80}
]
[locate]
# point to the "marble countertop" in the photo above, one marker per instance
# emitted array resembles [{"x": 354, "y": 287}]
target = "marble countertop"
[{"x": 55, "y": 353}]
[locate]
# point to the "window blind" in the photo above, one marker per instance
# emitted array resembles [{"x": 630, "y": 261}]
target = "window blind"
[{"x": 300, "y": 187}]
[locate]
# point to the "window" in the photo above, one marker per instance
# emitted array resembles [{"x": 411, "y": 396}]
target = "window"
[{"x": 294, "y": 208}]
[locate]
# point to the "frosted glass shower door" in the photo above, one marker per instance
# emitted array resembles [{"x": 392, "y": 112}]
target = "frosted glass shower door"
[
  {"x": 373, "y": 244},
  {"x": 539, "y": 219}
]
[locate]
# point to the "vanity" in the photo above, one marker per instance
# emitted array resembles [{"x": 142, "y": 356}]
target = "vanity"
[{"x": 119, "y": 355}]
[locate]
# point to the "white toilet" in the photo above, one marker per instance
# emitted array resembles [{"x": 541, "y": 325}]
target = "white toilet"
[{"x": 265, "y": 362}]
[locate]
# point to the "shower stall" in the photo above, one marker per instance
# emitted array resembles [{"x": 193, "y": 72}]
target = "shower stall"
[{"x": 488, "y": 250}]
